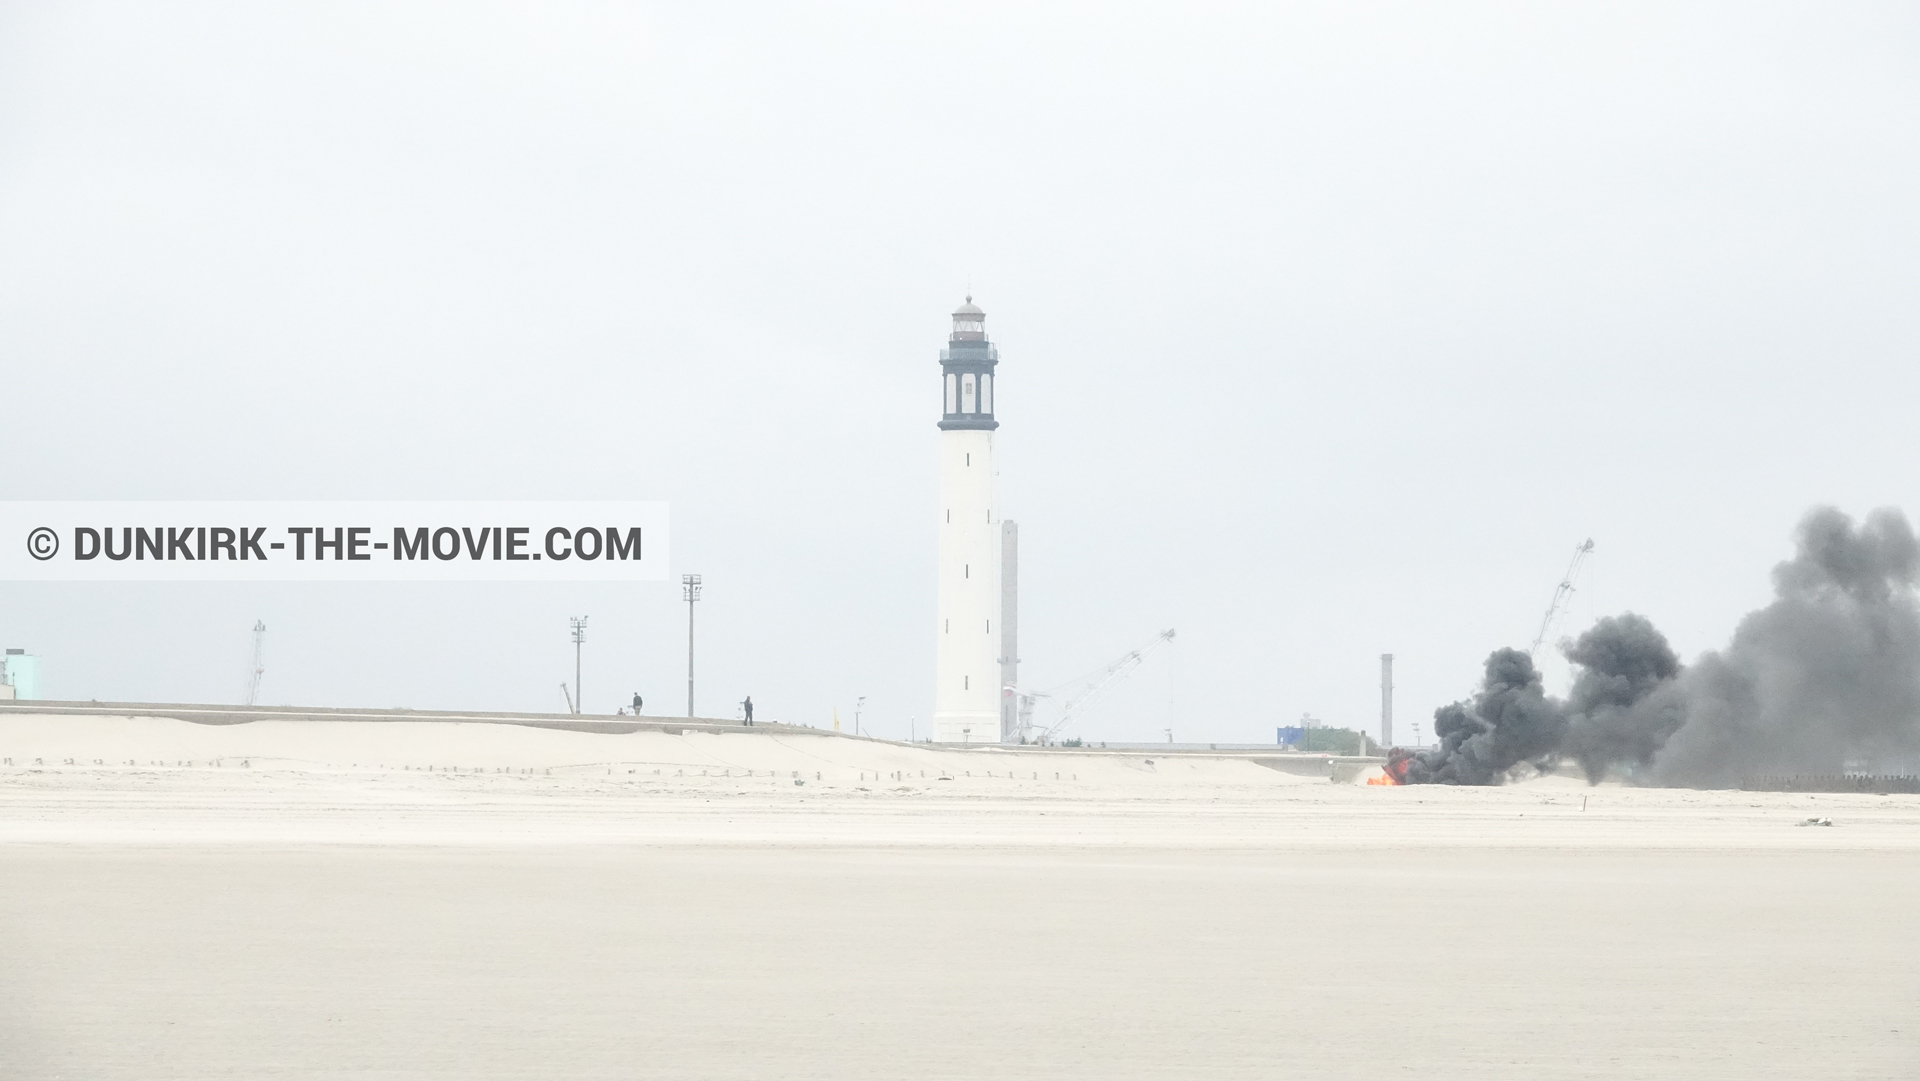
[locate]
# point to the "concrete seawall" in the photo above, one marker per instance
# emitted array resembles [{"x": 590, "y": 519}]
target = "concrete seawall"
[{"x": 217, "y": 714}]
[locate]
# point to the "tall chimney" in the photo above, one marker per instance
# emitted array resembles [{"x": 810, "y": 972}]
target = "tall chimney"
[
  {"x": 1386, "y": 700},
  {"x": 1009, "y": 631}
]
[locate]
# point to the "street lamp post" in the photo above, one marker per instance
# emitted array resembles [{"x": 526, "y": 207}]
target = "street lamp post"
[
  {"x": 861, "y": 701},
  {"x": 690, "y": 589}
]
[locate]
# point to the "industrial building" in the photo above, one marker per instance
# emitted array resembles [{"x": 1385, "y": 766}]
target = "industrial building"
[{"x": 19, "y": 676}]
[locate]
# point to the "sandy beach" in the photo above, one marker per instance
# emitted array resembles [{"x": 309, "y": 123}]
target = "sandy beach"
[{"x": 487, "y": 901}]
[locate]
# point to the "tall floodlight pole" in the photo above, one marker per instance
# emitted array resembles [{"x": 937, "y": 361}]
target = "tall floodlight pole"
[
  {"x": 579, "y": 625},
  {"x": 690, "y": 589},
  {"x": 857, "y": 705}
]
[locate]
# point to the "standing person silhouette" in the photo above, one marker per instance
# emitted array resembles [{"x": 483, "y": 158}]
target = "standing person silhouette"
[
  {"x": 748, "y": 706},
  {"x": 636, "y": 703}
]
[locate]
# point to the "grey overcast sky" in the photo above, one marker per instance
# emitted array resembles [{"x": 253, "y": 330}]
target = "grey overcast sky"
[{"x": 1326, "y": 330}]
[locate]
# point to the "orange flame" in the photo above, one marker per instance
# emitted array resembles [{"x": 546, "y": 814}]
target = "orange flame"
[{"x": 1385, "y": 779}]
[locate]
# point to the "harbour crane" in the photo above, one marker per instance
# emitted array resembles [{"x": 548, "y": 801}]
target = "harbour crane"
[
  {"x": 1099, "y": 682},
  {"x": 1562, "y": 593}
]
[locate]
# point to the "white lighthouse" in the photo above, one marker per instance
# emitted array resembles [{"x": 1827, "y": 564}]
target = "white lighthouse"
[{"x": 966, "y": 698}]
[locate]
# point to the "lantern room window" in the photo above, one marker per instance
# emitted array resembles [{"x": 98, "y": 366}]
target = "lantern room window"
[{"x": 966, "y": 394}]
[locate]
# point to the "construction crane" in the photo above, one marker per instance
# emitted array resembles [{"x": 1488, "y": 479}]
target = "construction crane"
[
  {"x": 259, "y": 663},
  {"x": 1562, "y": 593},
  {"x": 1100, "y": 682}
]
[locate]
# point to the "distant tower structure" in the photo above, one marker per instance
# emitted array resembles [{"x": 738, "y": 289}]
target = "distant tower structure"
[
  {"x": 967, "y": 677},
  {"x": 1386, "y": 700},
  {"x": 1009, "y": 632},
  {"x": 259, "y": 662}
]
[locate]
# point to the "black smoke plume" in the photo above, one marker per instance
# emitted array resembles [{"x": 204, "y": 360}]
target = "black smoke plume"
[
  {"x": 1509, "y": 722},
  {"x": 1824, "y": 679},
  {"x": 1622, "y": 708}
]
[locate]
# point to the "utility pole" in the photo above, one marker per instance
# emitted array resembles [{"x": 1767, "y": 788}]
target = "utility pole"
[
  {"x": 690, "y": 590},
  {"x": 857, "y": 703},
  {"x": 579, "y": 625}
]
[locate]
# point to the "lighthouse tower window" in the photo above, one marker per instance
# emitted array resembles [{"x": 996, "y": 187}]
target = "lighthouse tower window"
[
  {"x": 966, "y": 394},
  {"x": 986, "y": 394},
  {"x": 951, "y": 379}
]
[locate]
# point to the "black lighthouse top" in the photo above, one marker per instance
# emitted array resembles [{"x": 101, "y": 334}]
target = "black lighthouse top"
[{"x": 966, "y": 366}]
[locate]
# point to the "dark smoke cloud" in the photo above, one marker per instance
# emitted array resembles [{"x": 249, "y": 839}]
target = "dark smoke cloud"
[
  {"x": 1509, "y": 722},
  {"x": 1623, "y": 709},
  {"x": 1826, "y": 678}
]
